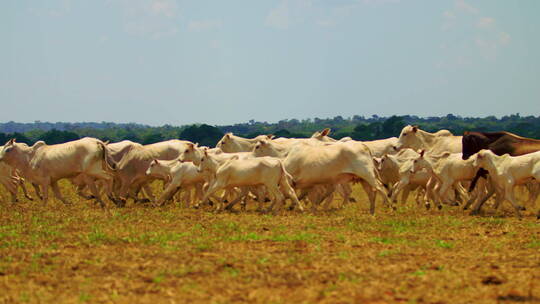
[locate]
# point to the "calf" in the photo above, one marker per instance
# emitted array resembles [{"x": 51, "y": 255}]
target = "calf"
[
  {"x": 177, "y": 174},
  {"x": 500, "y": 143},
  {"x": 260, "y": 171},
  {"x": 508, "y": 171}
]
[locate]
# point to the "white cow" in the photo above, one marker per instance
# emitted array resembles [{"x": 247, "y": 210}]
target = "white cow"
[
  {"x": 245, "y": 173},
  {"x": 378, "y": 147},
  {"x": 434, "y": 143},
  {"x": 130, "y": 175},
  {"x": 44, "y": 165},
  {"x": 230, "y": 143},
  {"x": 448, "y": 171},
  {"x": 395, "y": 174},
  {"x": 333, "y": 164},
  {"x": 177, "y": 175},
  {"x": 508, "y": 171}
]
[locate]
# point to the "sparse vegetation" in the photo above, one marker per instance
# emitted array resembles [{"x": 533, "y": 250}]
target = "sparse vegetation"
[{"x": 81, "y": 254}]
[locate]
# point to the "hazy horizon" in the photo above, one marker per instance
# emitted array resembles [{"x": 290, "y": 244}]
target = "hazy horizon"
[{"x": 159, "y": 62}]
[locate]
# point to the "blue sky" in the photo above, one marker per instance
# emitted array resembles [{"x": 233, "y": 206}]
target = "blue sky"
[{"x": 222, "y": 62}]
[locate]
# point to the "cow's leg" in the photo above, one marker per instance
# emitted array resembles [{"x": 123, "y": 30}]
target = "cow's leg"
[
  {"x": 243, "y": 193},
  {"x": 509, "y": 195},
  {"x": 443, "y": 192},
  {"x": 378, "y": 186},
  {"x": 45, "y": 188},
  {"x": 534, "y": 190},
  {"x": 58, "y": 194},
  {"x": 371, "y": 195},
  {"x": 214, "y": 186},
  {"x": 37, "y": 189},
  {"x": 20, "y": 181},
  {"x": 398, "y": 187},
  {"x": 148, "y": 191},
  {"x": 405, "y": 194},
  {"x": 11, "y": 186},
  {"x": 289, "y": 192},
  {"x": 168, "y": 193},
  {"x": 329, "y": 191},
  {"x": 492, "y": 188},
  {"x": 277, "y": 195}
]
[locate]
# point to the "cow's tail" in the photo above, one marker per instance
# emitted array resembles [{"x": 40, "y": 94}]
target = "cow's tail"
[
  {"x": 286, "y": 177},
  {"x": 109, "y": 163}
]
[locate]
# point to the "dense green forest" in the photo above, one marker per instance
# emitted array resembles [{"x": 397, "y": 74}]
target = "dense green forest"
[{"x": 357, "y": 127}]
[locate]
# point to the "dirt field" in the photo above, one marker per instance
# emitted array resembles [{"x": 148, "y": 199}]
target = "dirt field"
[{"x": 79, "y": 253}]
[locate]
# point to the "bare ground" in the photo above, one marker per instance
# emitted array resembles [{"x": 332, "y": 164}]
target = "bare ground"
[{"x": 79, "y": 253}]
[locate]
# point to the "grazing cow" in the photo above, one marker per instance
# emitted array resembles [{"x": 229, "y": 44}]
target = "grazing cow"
[
  {"x": 178, "y": 175},
  {"x": 508, "y": 171},
  {"x": 131, "y": 172},
  {"x": 500, "y": 143},
  {"x": 245, "y": 173},
  {"x": 433, "y": 143},
  {"x": 44, "y": 165},
  {"x": 230, "y": 143},
  {"x": 333, "y": 164}
]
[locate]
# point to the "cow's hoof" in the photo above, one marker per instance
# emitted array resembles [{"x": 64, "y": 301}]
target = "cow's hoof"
[
  {"x": 465, "y": 208},
  {"x": 439, "y": 207},
  {"x": 428, "y": 206},
  {"x": 266, "y": 200},
  {"x": 352, "y": 200},
  {"x": 522, "y": 208}
]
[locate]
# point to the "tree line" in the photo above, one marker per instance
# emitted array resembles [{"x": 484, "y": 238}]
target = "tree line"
[{"x": 357, "y": 127}]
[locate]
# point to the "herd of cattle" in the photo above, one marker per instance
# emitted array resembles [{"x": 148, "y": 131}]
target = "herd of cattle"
[{"x": 439, "y": 166}]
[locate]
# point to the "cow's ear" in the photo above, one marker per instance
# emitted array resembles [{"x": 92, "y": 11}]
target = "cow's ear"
[
  {"x": 414, "y": 128},
  {"x": 205, "y": 152},
  {"x": 106, "y": 142},
  {"x": 270, "y": 136},
  {"x": 465, "y": 133},
  {"x": 10, "y": 142},
  {"x": 325, "y": 132},
  {"x": 190, "y": 146},
  {"x": 155, "y": 161},
  {"x": 262, "y": 142},
  {"x": 196, "y": 145},
  {"x": 422, "y": 152}
]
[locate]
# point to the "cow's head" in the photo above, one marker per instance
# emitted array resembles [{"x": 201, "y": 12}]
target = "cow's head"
[
  {"x": 472, "y": 143},
  {"x": 7, "y": 151},
  {"x": 323, "y": 135},
  {"x": 408, "y": 138}
]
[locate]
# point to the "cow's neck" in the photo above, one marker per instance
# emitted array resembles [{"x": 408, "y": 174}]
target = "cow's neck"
[{"x": 427, "y": 138}]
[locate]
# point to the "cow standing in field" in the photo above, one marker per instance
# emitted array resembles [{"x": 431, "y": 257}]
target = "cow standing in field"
[{"x": 44, "y": 165}]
